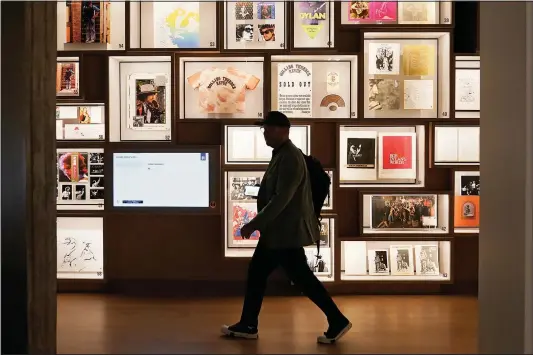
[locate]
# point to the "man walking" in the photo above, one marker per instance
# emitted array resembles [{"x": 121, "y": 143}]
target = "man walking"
[{"x": 287, "y": 223}]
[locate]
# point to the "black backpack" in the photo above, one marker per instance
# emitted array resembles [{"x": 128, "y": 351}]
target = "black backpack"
[{"x": 320, "y": 182}]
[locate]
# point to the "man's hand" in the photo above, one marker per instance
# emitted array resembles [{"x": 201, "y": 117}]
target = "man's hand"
[{"x": 246, "y": 231}]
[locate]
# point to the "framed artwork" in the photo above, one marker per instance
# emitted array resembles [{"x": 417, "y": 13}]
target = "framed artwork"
[
  {"x": 91, "y": 25},
  {"x": 319, "y": 263},
  {"x": 80, "y": 248},
  {"x": 221, "y": 87},
  {"x": 314, "y": 86},
  {"x": 313, "y": 24},
  {"x": 246, "y": 144},
  {"x": 456, "y": 145},
  {"x": 378, "y": 262},
  {"x": 466, "y": 201},
  {"x": 427, "y": 260},
  {"x": 80, "y": 122},
  {"x": 80, "y": 179},
  {"x": 140, "y": 104},
  {"x": 467, "y": 87},
  {"x": 401, "y": 260},
  {"x": 255, "y": 25},
  {"x": 173, "y": 24},
  {"x": 68, "y": 77},
  {"x": 381, "y": 156},
  {"x": 402, "y": 76}
]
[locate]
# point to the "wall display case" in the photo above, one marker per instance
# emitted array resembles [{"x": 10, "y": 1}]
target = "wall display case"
[
  {"x": 140, "y": 98},
  {"x": 422, "y": 214},
  {"x": 456, "y": 145},
  {"x": 221, "y": 87},
  {"x": 466, "y": 202},
  {"x": 68, "y": 77},
  {"x": 173, "y": 24},
  {"x": 322, "y": 262},
  {"x": 91, "y": 25},
  {"x": 396, "y": 260},
  {"x": 396, "y": 12},
  {"x": 314, "y": 86},
  {"x": 406, "y": 74},
  {"x": 255, "y": 25},
  {"x": 80, "y": 179},
  {"x": 381, "y": 156},
  {"x": 314, "y": 24},
  {"x": 245, "y": 145},
  {"x": 80, "y": 248},
  {"x": 467, "y": 86},
  {"x": 80, "y": 122}
]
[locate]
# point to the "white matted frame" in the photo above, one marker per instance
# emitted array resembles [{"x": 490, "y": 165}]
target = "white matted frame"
[
  {"x": 173, "y": 24},
  {"x": 369, "y": 176},
  {"x": 333, "y": 91},
  {"x": 324, "y": 266},
  {"x": 80, "y": 248},
  {"x": 378, "y": 218},
  {"x": 461, "y": 197},
  {"x": 313, "y": 24},
  {"x": 245, "y": 145},
  {"x": 80, "y": 179},
  {"x": 354, "y": 260},
  {"x": 64, "y": 85},
  {"x": 396, "y": 85},
  {"x": 456, "y": 145},
  {"x": 204, "y": 80},
  {"x": 248, "y": 25},
  {"x": 123, "y": 73},
  {"x": 467, "y": 86},
  {"x": 80, "y": 122},
  {"x": 114, "y": 16}
]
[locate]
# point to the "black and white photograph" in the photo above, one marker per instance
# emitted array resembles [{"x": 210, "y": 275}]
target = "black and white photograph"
[
  {"x": 402, "y": 262},
  {"x": 427, "y": 260},
  {"x": 96, "y": 158},
  {"x": 318, "y": 263},
  {"x": 66, "y": 192},
  {"x": 96, "y": 170},
  {"x": 80, "y": 192},
  {"x": 238, "y": 187},
  {"x": 384, "y": 58},
  {"x": 378, "y": 262},
  {"x": 324, "y": 232},
  {"x": 244, "y": 10},
  {"x": 383, "y": 95},
  {"x": 138, "y": 121},
  {"x": 96, "y": 181},
  {"x": 469, "y": 185},
  {"x": 404, "y": 212},
  {"x": 361, "y": 153},
  {"x": 96, "y": 194},
  {"x": 244, "y": 33}
]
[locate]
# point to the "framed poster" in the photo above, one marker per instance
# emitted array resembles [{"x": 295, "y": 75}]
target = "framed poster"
[
  {"x": 313, "y": 24},
  {"x": 221, "y": 87},
  {"x": 80, "y": 248},
  {"x": 456, "y": 145},
  {"x": 246, "y": 144},
  {"x": 381, "y": 156},
  {"x": 405, "y": 213},
  {"x": 173, "y": 24},
  {"x": 254, "y": 25},
  {"x": 467, "y": 87},
  {"x": 466, "y": 202},
  {"x": 402, "y": 76},
  {"x": 80, "y": 122},
  {"x": 80, "y": 179},
  {"x": 68, "y": 77},
  {"x": 91, "y": 25},
  {"x": 314, "y": 86},
  {"x": 140, "y": 103}
]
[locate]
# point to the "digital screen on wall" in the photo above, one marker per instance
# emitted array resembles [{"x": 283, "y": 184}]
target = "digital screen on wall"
[{"x": 161, "y": 180}]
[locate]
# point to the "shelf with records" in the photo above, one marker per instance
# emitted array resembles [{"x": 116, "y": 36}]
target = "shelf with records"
[
  {"x": 381, "y": 156},
  {"x": 466, "y": 202},
  {"x": 221, "y": 87},
  {"x": 406, "y": 74},
  {"x": 396, "y": 261},
  {"x": 80, "y": 122},
  {"x": 80, "y": 179},
  {"x": 396, "y": 13},
  {"x": 317, "y": 86},
  {"x": 91, "y": 25},
  {"x": 467, "y": 86},
  {"x": 255, "y": 25},
  {"x": 245, "y": 145},
  {"x": 408, "y": 213},
  {"x": 140, "y": 98},
  {"x": 68, "y": 77},
  {"x": 455, "y": 145},
  {"x": 80, "y": 248},
  {"x": 173, "y": 25},
  {"x": 313, "y": 24}
]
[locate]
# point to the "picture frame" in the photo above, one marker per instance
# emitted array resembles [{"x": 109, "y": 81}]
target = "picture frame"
[
  {"x": 68, "y": 77},
  {"x": 80, "y": 122},
  {"x": 467, "y": 86},
  {"x": 456, "y": 145},
  {"x": 313, "y": 24},
  {"x": 466, "y": 207}
]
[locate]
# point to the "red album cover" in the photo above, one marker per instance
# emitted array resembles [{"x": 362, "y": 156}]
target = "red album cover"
[{"x": 397, "y": 152}]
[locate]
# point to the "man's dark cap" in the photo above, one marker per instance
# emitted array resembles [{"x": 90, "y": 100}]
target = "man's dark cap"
[{"x": 274, "y": 118}]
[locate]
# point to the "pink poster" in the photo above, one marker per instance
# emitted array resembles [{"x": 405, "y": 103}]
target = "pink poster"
[{"x": 372, "y": 11}]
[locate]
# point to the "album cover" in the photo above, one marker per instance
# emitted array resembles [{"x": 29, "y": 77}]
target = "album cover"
[
  {"x": 402, "y": 262},
  {"x": 244, "y": 32},
  {"x": 88, "y": 22},
  {"x": 418, "y": 60},
  {"x": 403, "y": 211},
  {"x": 383, "y": 58},
  {"x": 313, "y": 16},
  {"x": 466, "y": 211},
  {"x": 243, "y": 213},
  {"x": 470, "y": 185},
  {"x": 238, "y": 186},
  {"x": 67, "y": 79},
  {"x": 427, "y": 260},
  {"x": 378, "y": 262},
  {"x": 358, "y": 10},
  {"x": 384, "y": 94},
  {"x": 244, "y": 10},
  {"x": 361, "y": 153},
  {"x": 397, "y": 152},
  {"x": 176, "y": 24},
  {"x": 372, "y": 11},
  {"x": 419, "y": 12},
  {"x": 266, "y": 10},
  {"x": 147, "y": 102},
  {"x": 267, "y": 32}
]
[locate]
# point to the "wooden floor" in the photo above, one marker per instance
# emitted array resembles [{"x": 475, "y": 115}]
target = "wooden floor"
[{"x": 98, "y": 324}]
